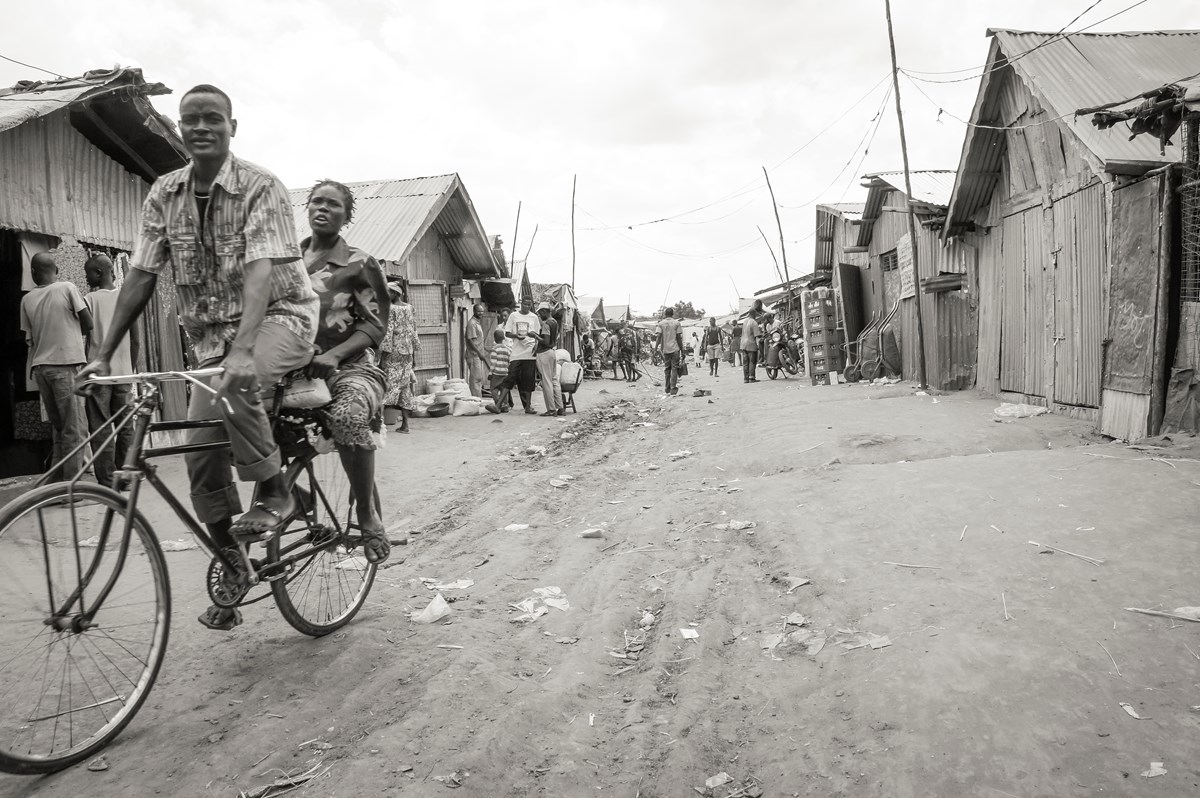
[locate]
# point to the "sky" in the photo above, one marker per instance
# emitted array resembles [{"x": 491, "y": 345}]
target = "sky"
[{"x": 663, "y": 114}]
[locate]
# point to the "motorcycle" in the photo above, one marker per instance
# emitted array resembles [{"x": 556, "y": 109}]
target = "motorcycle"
[{"x": 783, "y": 354}]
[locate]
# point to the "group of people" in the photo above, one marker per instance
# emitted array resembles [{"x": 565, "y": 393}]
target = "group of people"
[{"x": 252, "y": 299}]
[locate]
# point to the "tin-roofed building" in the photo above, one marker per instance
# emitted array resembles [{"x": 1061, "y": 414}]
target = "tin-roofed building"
[{"x": 1068, "y": 289}]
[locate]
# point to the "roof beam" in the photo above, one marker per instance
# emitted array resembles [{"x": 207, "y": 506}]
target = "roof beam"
[{"x": 119, "y": 142}]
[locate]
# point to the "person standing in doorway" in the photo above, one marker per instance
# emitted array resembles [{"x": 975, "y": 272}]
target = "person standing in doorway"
[
  {"x": 670, "y": 343},
  {"x": 477, "y": 357},
  {"x": 546, "y": 364},
  {"x": 107, "y": 400},
  {"x": 55, "y": 320},
  {"x": 222, "y": 229},
  {"x": 749, "y": 345},
  {"x": 712, "y": 346},
  {"x": 523, "y": 328}
]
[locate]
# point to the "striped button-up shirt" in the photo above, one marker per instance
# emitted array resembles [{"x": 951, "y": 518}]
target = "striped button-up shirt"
[{"x": 248, "y": 217}]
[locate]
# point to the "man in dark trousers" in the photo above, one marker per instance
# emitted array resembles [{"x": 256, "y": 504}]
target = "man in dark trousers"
[
  {"x": 107, "y": 400},
  {"x": 547, "y": 366},
  {"x": 55, "y": 320}
]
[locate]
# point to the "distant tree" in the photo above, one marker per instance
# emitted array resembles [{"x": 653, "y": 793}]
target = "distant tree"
[{"x": 683, "y": 310}]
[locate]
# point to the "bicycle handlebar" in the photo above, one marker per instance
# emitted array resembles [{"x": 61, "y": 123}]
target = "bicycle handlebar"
[{"x": 155, "y": 376}]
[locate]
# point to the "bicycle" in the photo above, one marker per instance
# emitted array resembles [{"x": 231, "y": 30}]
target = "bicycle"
[{"x": 84, "y": 620}]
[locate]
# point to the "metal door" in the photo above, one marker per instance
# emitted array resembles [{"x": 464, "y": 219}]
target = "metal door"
[
  {"x": 1023, "y": 305},
  {"x": 1080, "y": 253}
]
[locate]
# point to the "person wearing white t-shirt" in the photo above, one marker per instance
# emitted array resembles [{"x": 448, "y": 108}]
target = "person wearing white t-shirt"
[
  {"x": 522, "y": 329},
  {"x": 107, "y": 400}
]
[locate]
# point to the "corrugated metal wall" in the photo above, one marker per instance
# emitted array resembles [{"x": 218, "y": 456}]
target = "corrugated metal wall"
[
  {"x": 58, "y": 183},
  {"x": 1080, "y": 233}
]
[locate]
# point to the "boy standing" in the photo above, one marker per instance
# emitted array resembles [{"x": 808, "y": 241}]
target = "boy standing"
[
  {"x": 498, "y": 360},
  {"x": 107, "y": 400}
]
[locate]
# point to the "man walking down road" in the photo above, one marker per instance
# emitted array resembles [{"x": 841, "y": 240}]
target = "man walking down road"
[
  {"x": 522, "y": 329},
  {"x": 712, "y": 346},
  {"x": 107, "y": 400},
  {"x": 55, "y": 319},
  {"x": 735, "y": 340},
  {"x": 477, "y": 357},
  {"x": 222, "y": 229},
  {"x": 546, "y": 364},
  {"x": 749, "y": 346},
  {"x": 670, "y": 343}
]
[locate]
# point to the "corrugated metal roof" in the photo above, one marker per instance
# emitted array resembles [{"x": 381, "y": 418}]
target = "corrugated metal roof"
[
  {"x": 1093, "y": 68},
  {"x": 1065, "y": 74},
  {"x": 391, "y": 216},
  {"x": 617, "y": 312},
  {"x": 931, "y": 186},
  {"x": 588, "y": 305},
  {"x": 29, "y": 100}
]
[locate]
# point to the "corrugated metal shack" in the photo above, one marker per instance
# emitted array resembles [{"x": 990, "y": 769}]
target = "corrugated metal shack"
[
  {"x": 946, "y": 291},
  {"x": 839, "y": 258},
  {"x": 1169, "y": 227},
  {"x": 78, "y": 156},
  {"x": 425, "y": 231},
  {"x": 1068, "y": 290}
]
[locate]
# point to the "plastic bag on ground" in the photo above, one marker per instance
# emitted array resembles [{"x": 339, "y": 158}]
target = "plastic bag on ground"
[
  {"x": 436, "y": 610},
  {"x": 1009, "y": 410}
]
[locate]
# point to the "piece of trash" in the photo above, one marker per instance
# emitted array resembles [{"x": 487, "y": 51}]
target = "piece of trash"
[
  {"x": 648, "y": 619},
  {"x": 457, "y": 584},
  {"x": 98, "y": 764},
  {"x": 769, "y": 642},
  {"x": 738, "y": 526},
  {"x": 558, "y": 483},
  {"x": 536, "y": 605},
  {"x": 652, "y": 467},
  {"x": 1189, "y": 612},
  {"x": 682, "y": 453},
  {"x": 286, "y": 782},
  {"x": 566, "y": 477},
  {"x": 567, "y": 641},
  {"x": 516, "y": 527},
  {"x": 177, "y": 545},
  {"x": 1010, "y": 410},
  {"x": 594, "y": 532},
  {"x": 1156, "y": 769},
  {"x": 880, "y": 641},
  {"x": 701, "y": 392},
  {"x": 617, "y": 501},
  {"x": 1130, "y": 711},
  {"x": 717, "y": 780},
  {"x": 812, "y": 640},
  {"x": 450, "y": 647},
  {"x": 795, "y": 619},
  {"x": 434, "y": 611},
  {"x": 535, "y": 450},
  {"x": 568, "y": 436},
  {"x": 689, "y": 634},
  {"x": 90, "y": 543},
  {"x": 795, "y": 582}
]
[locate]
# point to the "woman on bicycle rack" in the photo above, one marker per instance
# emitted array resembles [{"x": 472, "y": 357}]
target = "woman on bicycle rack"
[{"x": 354, "y": 314}]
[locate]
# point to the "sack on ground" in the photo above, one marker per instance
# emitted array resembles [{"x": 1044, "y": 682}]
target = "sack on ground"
[{"x": 467, "y": 406}]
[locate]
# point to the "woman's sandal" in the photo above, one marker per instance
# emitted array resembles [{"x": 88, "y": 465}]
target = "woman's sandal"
[
  {"x": 375, "y": 545},
  {"x": 221, "y": 619}
]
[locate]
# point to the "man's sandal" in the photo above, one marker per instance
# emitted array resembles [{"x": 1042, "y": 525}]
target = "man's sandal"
[
  {"x": 245, "y": 531},
  {"x": 221, "y": 619}
]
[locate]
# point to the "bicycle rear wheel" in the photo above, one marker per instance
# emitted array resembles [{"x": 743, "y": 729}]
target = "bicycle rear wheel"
[
  {"x": 69, "y": 683},
  {"x": 321, "y": 592}
]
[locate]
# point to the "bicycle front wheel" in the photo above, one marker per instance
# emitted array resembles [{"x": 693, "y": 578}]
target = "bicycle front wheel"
[
  {"x": 72, "y": 675},
  {"x": 322, "y": 577}
]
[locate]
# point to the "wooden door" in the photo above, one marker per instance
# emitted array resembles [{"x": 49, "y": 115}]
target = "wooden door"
[{"x": 430, "y": 302}]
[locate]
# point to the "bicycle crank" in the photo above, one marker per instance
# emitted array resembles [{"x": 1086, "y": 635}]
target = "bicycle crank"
[{"x": 227, "y": 587}]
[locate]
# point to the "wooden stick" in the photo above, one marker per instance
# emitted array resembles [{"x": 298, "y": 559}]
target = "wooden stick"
[
  {"x": 906, "y": 565},
  {"x": 1007, "y": 617},
  {"x": 964, "y": 533},
  {"x": 1110, "y": 656},
  {"x": 1083, "y": 557},
  {"x": 613, "y": 546},
  {"x": 1163, "y": 614}
]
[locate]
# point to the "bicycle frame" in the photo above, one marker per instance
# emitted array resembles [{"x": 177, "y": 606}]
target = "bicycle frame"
[{"x": 137, "y": 469}]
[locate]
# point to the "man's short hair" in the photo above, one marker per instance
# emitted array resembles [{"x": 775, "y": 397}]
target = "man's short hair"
[
  {"x": 669, "y": 312},
  {"x": 100, "y": 261},
  {"x": 208, "y": 88}
]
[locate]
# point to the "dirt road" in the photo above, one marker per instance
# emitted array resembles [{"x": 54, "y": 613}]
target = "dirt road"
[{"x": 807, "y": 655}]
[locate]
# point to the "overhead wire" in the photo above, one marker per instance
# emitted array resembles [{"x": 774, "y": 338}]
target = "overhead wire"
[{"x": 32, "y": 66}]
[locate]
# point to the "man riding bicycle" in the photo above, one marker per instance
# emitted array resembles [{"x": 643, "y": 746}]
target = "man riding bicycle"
[{"x": 223, "y": 229}]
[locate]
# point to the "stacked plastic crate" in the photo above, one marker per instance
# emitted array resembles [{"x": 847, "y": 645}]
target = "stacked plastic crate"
[{"x": 822, "y": 344}]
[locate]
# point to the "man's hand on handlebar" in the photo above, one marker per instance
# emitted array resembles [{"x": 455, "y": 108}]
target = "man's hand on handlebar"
[
  {"x": 97, "y": 368},
  {"x": 240, "y": 375},
  {"x": 322, "y": 366}
]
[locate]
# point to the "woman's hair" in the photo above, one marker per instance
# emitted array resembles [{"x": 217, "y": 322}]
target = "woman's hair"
[{"x": 347, "y": 195}]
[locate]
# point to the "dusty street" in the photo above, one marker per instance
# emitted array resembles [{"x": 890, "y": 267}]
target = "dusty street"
[{"x": 689, "y": 648}]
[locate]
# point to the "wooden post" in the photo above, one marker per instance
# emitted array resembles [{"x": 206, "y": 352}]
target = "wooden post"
[
  {"x": 787, "y": 278},
  {"x": 772, "y": 251},
  {"x": 573, "y": 179},
  {"x": 912, "y": 218}
]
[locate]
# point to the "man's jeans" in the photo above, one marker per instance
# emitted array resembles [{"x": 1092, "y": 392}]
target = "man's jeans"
[
  {"x": 475, "y": 370},
  {"x": 104, "y": 403},
  {"x": 750, "y": 363},
  {"x": 551, "y": 390},
  {"x": 671, "y": 370},
  {"x": 277, "y": 351},
  {"x": 56, "y": 384}
]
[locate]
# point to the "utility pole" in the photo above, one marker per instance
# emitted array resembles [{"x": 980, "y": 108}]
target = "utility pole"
[
  {"x": 573, "y": 179},
  {"x": 787, "y": 278},
  {"x": 912, "y": 218},
  {"x": 516, "y": 227}
]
